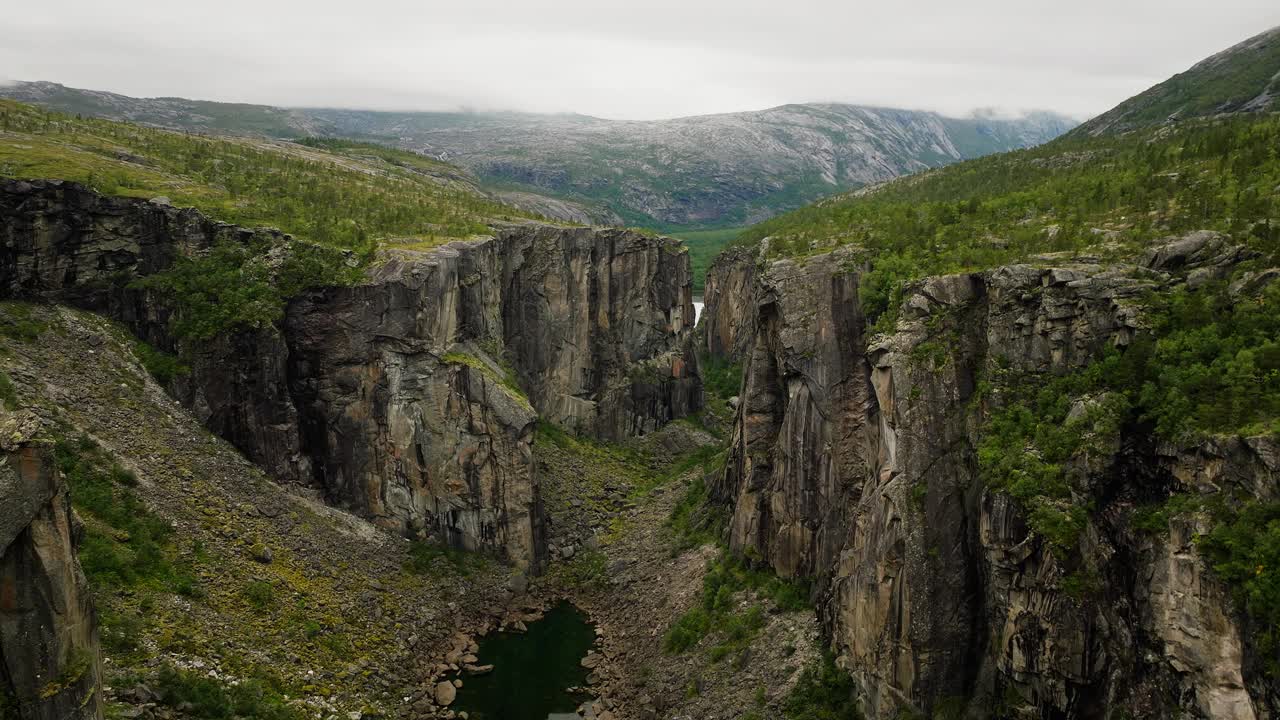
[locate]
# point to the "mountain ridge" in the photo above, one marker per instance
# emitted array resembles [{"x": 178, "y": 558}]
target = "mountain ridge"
[
  {"x": 697, "y": 171},
  {"x": 1242, "y": 78}
]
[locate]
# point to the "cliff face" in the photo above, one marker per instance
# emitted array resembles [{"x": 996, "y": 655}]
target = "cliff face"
[
  {"x": 853, "y": 462},
  {"x": 398, "y": 398},
  {"x": 49, "y": 664},
  {"x": 730, "y": 289}
]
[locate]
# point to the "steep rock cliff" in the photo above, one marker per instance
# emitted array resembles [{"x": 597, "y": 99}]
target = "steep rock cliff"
[
  {"x": 853, "y": 462},
  {"x": 49, "y": 664},
  {"x": 399, "y": 397},
  {"x": 729, "y": 291}
]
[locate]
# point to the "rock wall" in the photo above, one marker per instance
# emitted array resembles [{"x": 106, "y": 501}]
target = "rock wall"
[
  {"x": 728, "y": 311},
  {"x": 853, "y": 462},
  {"x": 409, "y": 398},
  {"x": 49, "y": 660}
]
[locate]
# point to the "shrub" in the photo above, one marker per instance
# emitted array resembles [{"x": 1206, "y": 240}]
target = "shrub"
[
  {"x": 17, "y": 323},
  {"x": 205, "y": 697},
  {"x": 125, "y": 545},
  {"x": 425, "y": 558},
  {"x": 1245, "y": 552},
  {"x": 260, "y": 594},
  {"x": 823, "y": 692},
  {"x": 725, "y": 578},
  {"x": 161, "y": 365},
  {"x": 8, "y": 394},
  {"x": 688, "y": 630}
]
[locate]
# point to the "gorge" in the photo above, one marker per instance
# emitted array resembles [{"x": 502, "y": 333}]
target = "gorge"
[{"x": 326, "y": 429}]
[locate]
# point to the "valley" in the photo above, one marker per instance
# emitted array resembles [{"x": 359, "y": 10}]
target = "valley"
[{"x": 900, "y": 416}]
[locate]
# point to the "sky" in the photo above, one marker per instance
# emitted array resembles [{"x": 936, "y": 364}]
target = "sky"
[{"x": 640, "y": 59}]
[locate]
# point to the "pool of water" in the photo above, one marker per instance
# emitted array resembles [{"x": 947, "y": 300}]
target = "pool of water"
[{"x": 532, "y": 671}]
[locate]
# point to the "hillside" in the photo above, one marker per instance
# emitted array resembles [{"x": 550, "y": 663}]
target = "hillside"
[
  {"x": 1109, "y": 196},
  {"x": 335, "y": 192},
  {"x": 703, "y": 171},
  {"x": 1242, "y": 78}
]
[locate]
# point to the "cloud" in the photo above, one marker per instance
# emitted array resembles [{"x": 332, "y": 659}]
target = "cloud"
[{"x": 660, "y": 58}]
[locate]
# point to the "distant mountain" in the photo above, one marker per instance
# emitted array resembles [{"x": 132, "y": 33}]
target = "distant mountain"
[
  {"x": 1242, "y": 78},
  {"x": 710, "y": 170},
  {"x": 704, "y": 170}
]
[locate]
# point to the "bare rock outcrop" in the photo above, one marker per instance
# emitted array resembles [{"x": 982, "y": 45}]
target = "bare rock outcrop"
[
  {"x": 409, "y": 397},
  {"x": 730, "y": 288},
  {"x": 853, "y": 462},
  {"x": 49, "y": 658}
]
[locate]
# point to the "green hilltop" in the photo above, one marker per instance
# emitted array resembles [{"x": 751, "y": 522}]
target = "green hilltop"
[
  {"x": 1242, "y": 78},
  {"x": 335, "y": 192}
]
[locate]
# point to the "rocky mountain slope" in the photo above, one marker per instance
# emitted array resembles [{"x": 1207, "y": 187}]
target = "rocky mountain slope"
[
  {"x": 726, "y": 169},
  {"x": 1244, "y": 78},
  {"x": 1017, "y": 420},
  {"x": 712, "y": 170},
  {"x": 859, "y": 460}
]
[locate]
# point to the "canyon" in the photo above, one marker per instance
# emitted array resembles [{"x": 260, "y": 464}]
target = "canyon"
[{"x": 400, "y": 397}]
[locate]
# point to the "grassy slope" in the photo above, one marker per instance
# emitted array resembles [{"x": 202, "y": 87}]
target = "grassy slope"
[
  {"x": 1223, "y": 83},
  {"x": 703, "y": 246},
  {"x": 341, "y": 193}
]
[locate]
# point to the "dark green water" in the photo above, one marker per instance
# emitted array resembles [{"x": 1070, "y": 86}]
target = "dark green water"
[{"x": 531, "y": 671}]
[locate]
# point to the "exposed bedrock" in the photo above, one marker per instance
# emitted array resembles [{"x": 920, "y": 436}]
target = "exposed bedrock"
[
  {"x": 410, "y": 397},
  {"x": 49, "y": 659},
  {"x": 853, "y": 462},
  {"x": 729, "y": 310}
]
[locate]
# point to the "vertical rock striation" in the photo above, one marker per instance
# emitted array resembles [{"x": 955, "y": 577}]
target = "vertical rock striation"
[
  {"x": 410, "y": 397},
  {"x": 729, "y": 291},
  {"x": 49, "y": 663},
  {"x": 853, "y": 462}
]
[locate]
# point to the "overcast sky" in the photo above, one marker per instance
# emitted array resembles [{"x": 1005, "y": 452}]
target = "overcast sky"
[{"x": 638, "y": 59}]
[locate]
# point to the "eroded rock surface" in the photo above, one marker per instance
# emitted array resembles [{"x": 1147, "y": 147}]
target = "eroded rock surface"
[
  {"x": 404, "y": 397},
  {"x": 853, "y": 462},
  {"x": 729, "y": 292},
  {"x": 49, "y": 662}
]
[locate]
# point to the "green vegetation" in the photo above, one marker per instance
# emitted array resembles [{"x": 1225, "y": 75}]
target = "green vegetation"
[
  {"x": 432, "y": 558},
  {"x": 588, "y": 570},
  {"x": 720, "y": 613},
  {"x": 240, "y": 286},
  {"x": 1213, "y": 368},
  {"x": 1109, "y": 196},
  {"x": 124, "y": 545},
  {"x": 205, "y": 697},
  {"x": 8, "y": 394},
  {"x": 824, "y": 692},
  {"x": 504, "y": 375},
  {"x": 1216, "y": 363},
  {"x": 339, "y": 193},
  {"x": 125, "y": 548},
  {"x": 696, "y": 519},
  {"x": 703, "y": 246},
  {"x": 162, "y": 366},
  {"x": 334, "y": 196},
  {"x": 17, "y": 323},
  {"x": 1221, "y": 86},
  {"x": 720, "y": 377},
  {"x": 260, "y": 594},
  {"x": 1245, "y": 551}
]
